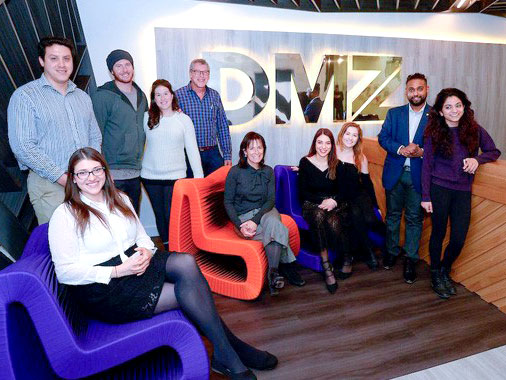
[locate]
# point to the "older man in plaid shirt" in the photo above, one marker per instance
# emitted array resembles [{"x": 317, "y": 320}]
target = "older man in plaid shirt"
[{"x": 203, "y": 105}]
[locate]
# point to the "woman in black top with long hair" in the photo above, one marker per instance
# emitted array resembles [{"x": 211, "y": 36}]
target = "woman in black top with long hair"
[
  {"x": 321, "y": 206},
  {"x": 357, "y": 189}
]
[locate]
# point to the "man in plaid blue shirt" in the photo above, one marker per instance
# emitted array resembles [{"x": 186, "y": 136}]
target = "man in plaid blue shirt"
[{"x": 203, "y": 105}]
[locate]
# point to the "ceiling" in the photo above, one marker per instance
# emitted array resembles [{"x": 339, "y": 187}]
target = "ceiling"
[{"x": 491, "y": 7}]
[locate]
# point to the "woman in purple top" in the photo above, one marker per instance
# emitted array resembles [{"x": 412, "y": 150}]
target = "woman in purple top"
[{"x": 452, "y": 142}]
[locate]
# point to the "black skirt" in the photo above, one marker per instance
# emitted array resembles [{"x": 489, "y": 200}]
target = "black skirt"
[{"x": 127, "y": 298}]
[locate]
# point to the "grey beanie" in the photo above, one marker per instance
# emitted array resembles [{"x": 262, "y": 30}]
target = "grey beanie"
[{"x": 117, "y": 55}]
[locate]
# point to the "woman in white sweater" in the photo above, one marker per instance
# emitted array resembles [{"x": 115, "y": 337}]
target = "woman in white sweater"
[{"x": 169, "y": 133}]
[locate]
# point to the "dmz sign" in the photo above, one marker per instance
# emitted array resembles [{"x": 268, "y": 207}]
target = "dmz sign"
[{"x": 333, "y": 76}]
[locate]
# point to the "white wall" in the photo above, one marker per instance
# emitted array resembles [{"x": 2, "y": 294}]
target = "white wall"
[{"x": 129, "y": 25}]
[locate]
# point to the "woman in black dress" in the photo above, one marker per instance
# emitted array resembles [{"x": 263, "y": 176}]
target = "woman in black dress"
[
  {"x": 100, "y": 249},
  {"x": 357, "y": 190},
  {"x": 321, "y": 204}
]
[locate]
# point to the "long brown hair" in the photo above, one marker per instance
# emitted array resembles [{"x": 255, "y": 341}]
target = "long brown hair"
[
  {"x": 358, "y": 155},
  {"x": 154, "y": 111},
  {"x": 248, "y": 139},
  {"x": 80, "y": 210},
  {"x": 439, "y": 131},
  {"x": 332, "y": 157}
]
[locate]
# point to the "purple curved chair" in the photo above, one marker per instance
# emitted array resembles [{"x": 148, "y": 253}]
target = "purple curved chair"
[
  {"x": 287, "y": 202},
  {"x": 38, "y": 340}
]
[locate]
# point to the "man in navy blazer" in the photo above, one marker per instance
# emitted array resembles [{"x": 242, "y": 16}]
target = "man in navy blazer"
[{"x": 402, "y": 137}]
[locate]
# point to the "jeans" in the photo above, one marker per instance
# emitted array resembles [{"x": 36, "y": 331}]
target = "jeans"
[
  {"x": 211, "y": 160},
  {"x": 456, "y": 205},
  {"x": 132, "y": 188},
  {"x": 403, "y": 196},
  {"x": 160, "y": 196}
]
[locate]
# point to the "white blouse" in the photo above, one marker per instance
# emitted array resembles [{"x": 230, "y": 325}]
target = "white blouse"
[{"x": 75, "y": 255}]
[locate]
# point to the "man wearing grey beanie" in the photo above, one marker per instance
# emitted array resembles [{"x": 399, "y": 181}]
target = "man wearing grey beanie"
[{"x": 119, "y": 107}]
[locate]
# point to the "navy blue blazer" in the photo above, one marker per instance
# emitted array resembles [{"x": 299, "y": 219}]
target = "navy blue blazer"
[{"x": 393, "y": 134}]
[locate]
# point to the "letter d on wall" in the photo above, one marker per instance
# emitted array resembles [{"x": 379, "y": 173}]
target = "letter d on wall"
[{"x": 256, "y": 99}]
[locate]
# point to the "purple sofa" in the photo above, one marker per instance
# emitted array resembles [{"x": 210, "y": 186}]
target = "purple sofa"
[
  {"x": 44, "y": 336},
  {"x": 287, "y": 202}
]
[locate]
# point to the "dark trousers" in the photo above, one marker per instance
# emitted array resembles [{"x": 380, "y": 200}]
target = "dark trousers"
[
  {"x": 211, "y": 160},
  {"x": 455, "y": 205},
  {"x": 403, "y": 196},
  {"x": 363, "y": 219},
  {"x": 132, "y": 188},
  {"x": 160, "y": 196}
]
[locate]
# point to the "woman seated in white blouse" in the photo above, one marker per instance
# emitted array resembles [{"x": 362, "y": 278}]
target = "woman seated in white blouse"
[{"x": 100, "y": 249}]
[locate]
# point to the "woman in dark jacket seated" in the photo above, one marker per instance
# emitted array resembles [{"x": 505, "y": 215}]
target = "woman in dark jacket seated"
[
  {"x": 249, "y": 202},
  {"x": 321, "y": 205},
  {"x": 357, "y": 189},
  {"x": 100, "y": 249}
]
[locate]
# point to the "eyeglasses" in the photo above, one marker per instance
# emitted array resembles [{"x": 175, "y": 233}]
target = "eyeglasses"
[
  {"x": 198, "y": 72},
  {"x": 84, "y": 174}
]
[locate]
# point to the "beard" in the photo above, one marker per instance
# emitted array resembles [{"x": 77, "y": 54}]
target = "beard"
[
  {"x": 119, "y": 79},
  {"x": 417, "y": 103}
]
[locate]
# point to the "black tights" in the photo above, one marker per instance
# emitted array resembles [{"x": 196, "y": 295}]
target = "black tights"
[{"x": 188, "y": 289}]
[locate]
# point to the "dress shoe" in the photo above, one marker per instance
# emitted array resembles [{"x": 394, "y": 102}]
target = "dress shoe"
[
  {"x": 276, "y": 281},
  {"x": 262, "y": 360},
  {"x": 409, "y": 270},
  {"x": 220, "y": 368},
  {"x": 445, "y": 277},
  {"x": 346, "y": 270},
  {"x": 437, "y": 284},
  {"x": 328, "y": 274},
  {"x": 389, "y": 260},
  {"x": 289, "y": 271},
  {"x": 371, "y": 260}
]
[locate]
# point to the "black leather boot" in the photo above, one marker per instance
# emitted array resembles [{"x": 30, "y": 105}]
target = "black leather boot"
[
  {"x": 437, "y": 284},
  {"x": 371, "y": 260},
  {"x": 409, "y": 270},
  {"x": 445, "y": 277}
]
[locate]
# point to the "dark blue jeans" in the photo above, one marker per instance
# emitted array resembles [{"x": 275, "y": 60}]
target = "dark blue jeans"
[
  {"x": 455, "y": 205},
  {"x": 132, "y": 188},
  {"x": 211, "y": 160},
  {"x": 403, "y": 196},
  {"x": 160, "y": 196}
]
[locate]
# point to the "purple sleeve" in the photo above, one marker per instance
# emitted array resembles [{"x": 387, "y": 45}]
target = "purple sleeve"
[
  {"x": 489, "y": 152},
  {"x": 427, "y": 165}
]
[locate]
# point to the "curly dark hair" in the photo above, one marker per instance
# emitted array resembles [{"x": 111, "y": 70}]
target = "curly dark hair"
[
  {"x": 439, "y": 131},
  {"x": 154, "y": 111}
]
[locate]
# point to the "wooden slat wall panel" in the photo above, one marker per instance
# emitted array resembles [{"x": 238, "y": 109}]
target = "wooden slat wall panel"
[{"x": 481, "y": 267}]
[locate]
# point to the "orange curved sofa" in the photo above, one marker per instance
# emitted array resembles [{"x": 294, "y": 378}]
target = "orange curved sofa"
[{"x": 234, "y": 267}]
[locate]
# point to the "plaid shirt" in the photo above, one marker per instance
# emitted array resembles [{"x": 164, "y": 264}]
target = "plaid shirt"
[{"x": 208, "y": 117}]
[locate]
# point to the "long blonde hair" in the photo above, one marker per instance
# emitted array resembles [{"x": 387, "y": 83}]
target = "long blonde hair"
[{"x": 358, "y": 155}]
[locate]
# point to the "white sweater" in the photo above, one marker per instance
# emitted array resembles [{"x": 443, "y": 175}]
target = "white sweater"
[{"x": 165, "y": 145}]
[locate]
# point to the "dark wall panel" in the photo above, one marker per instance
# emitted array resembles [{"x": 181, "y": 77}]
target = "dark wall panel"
[
  {"x": 40, "y": 17},
  {"x": 67, "y": 26},
  {"x": 12, "y": 52},
  {"x": 54, "y": 16},
  {"x": 20, "y": 16}
]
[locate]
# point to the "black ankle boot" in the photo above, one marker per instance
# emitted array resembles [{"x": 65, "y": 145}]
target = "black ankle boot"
[
  {"x": 275, "y": 280},
  {"x": 445, "y": 277},
  {"x": 371, "y": 260},
  {"x": 437, "y": 284}
]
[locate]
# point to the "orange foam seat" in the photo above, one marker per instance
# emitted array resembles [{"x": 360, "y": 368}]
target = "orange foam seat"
[{"x": 199, "y": 225}]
